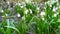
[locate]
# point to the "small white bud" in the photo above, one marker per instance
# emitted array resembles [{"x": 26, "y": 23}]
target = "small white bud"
[
  {"x": 23, "y": 18},
  {"x": 2, "y": 11},
  {"x": 18, "y": 15},
  {"x": 8, "y": 2},
  {"x": 55, "y": 15},
  {"x": 30, "y": 11},
  {"x": 50, "y": 5},
  {"x": 37, "y": 8},
  {"x": 26, "y": 11},
  {"x": 45, "y": 3},
  {"x": 42, "y": 13},
  {"x": 42, "y": 18},
  {"x": 21, "y": 6},
  {"x": 54, "y": 9}
]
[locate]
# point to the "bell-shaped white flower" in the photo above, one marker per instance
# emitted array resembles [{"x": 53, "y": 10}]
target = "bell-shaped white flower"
[
  {"x": 37, "y": 8},
  {"x": 18, "y": 15},
  {"x": 21, "y": 6},
  {"x": 26, "y": 11},
  {"x": 8, "y": 2},
  {"x": 42, "y": 18},
  {"x": 54, "y": 9},
  {"x": 30, "y": 11},
  {"x": 23, "y": 18},
  {"x": 42, "y": 13},
  {"x": 55, "y": 15},
  {"x": 2, "y": 11}
]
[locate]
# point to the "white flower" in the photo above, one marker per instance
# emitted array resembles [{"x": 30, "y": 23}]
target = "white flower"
[
  {"x": 2, "y": 11},
  {"x": 37, "y": 8},
  {"x": 18, "y": 15},
  {"x": 41, "y": 4},
  {"x": 42, "y": 13},
  {"x": 30, "y": 11},
  {"x": 45, "y": 3},
  {"x": 50, "y": 5},
  {"x": 26, "y": 11},
  {"x": 23, "y": 18},
  {"x": 18, "y": 3},
  {"x": 54, "y": 9},
  {"x": 21, "y": 6},
  {"x": 55, "y": 15},
  {"x": 42, "y": 18},
  {"x": 8, "y": 2}
]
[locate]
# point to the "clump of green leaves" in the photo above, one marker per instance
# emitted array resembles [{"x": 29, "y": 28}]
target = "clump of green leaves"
[{"x": 45, "y": 22}]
